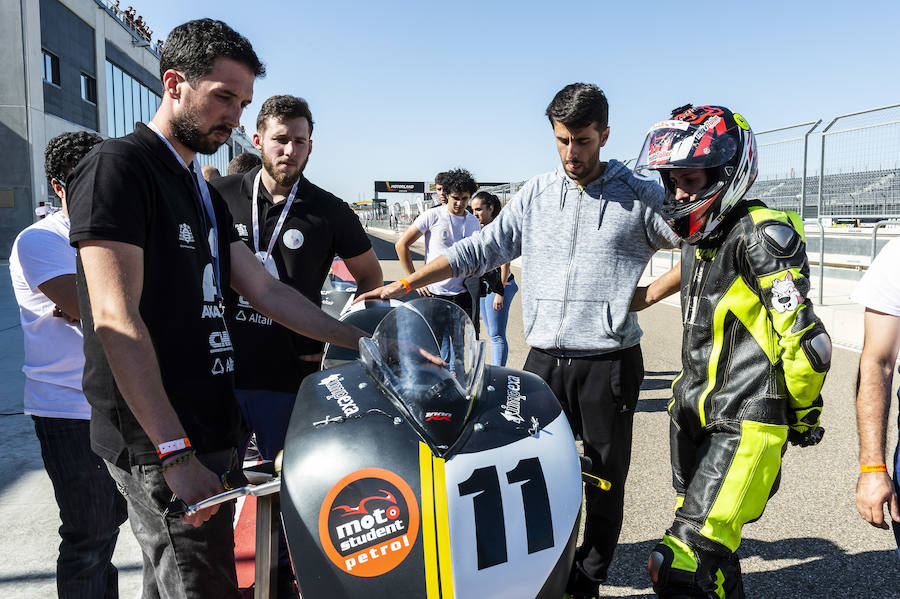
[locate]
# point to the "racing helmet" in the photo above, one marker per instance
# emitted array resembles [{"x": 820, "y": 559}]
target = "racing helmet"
[{"x": 708, "y": 137}]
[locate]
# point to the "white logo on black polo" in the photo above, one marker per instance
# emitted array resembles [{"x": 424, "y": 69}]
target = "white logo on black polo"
[
  {"x": 219, "y": 341},
  {"x": 186, "y": 236},
  {"x": 241, "y": 229}
]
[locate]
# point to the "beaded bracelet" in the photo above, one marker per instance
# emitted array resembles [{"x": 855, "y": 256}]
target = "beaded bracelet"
[{"x": 181, "y": 459}]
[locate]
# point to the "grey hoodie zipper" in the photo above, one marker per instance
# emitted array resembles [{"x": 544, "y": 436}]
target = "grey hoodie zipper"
[{"x": 565, "y": 301}]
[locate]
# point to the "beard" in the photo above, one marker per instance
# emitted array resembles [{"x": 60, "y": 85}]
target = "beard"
[
  {"x": 282, "y": 179},
  {"x": 186, "y": 129}
]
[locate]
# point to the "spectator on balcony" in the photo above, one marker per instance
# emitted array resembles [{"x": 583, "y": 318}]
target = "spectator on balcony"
[{"x": 115, "y": 8}]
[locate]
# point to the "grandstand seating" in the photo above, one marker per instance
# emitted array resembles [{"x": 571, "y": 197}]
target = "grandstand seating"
[{"x": 859, "y": 193}]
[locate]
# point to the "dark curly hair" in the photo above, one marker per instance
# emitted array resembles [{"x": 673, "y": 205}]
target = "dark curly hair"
[
  {"x": 193, "y": 47},
  {"x": 578, "y": 105},
  {"x": 243, "y": 163},
  {"x": 459, "y": 180},
  {"x": 439, "y": 178},
  {"x": 64, "y": 152},
  {"x": 284, "y": 108}
]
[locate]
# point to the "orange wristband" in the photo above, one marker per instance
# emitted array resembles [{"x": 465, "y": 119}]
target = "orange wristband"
[
  {"x": 873, "y": 468},
  {"x": 406, "y": 285}
]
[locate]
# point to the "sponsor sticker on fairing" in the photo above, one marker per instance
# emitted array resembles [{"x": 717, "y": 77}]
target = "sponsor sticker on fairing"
[
  {"x": 512, "y": 408},
  {"x": 368, "y": 522},
  {"x": 339, "y": 393}
]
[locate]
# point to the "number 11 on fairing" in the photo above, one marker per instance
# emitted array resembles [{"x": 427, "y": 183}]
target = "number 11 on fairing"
[{"x": 490, "y": 528}]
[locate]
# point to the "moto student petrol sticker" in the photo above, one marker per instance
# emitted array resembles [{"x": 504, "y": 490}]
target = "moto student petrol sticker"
[{"x": 368, "y": 522}]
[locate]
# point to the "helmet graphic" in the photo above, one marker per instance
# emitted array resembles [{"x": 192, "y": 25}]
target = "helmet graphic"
[{"x": 708, "y": 137}]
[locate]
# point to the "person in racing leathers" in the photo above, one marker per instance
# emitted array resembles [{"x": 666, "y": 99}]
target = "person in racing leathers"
[{"x": 754, "y": 353}]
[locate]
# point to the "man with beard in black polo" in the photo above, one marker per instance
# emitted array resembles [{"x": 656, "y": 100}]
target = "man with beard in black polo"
[{"x": 295, "y": 229}]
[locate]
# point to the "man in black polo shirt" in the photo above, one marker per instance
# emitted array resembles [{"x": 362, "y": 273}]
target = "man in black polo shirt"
[
  {"x": 156, "y": 249},
  {"x": 297, "y": 230}
]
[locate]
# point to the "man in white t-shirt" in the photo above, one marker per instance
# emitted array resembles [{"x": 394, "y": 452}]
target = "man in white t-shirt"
[
  {"x": 879, "y": 292},
  {"x": 443, "y": 226},
  {"x": 42, "y": 268}
]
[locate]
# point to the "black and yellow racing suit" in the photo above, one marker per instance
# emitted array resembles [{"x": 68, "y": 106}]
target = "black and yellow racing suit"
[{"x": 754, "y": 359}]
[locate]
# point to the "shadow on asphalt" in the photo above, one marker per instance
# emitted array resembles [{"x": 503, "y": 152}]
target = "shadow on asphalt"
[
  {"x": 51, "y": 575},
  {"x": 827, "y": 572},
  {"x": 385, "y": 249}
]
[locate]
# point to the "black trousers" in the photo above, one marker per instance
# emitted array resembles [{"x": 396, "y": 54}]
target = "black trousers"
[
  {"x": 90, "y": 507},
  {"x": 598, "y": 395},
  {"x": 463, "y": 300}
]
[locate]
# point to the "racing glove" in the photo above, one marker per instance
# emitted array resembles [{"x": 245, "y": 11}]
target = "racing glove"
[{"x": 804, "y": 424}]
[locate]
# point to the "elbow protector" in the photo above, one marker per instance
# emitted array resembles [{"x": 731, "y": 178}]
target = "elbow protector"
[{"x": 816, "y": 345}]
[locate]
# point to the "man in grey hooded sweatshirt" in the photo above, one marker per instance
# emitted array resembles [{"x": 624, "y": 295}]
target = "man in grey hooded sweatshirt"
[{"x": 585, "y": 233}]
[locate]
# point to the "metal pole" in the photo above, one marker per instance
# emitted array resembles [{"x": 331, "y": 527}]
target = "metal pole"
[
  {"x": 266, "y": 566},
  {"x": 803, "y": 180},
  {"x": 878, "y": 225},
  {"x": 821, "y": 260},
  {"x": 822, "y": 169}
]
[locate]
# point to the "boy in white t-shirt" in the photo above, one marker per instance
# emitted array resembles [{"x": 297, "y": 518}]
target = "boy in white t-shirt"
[
  {"x": 879, "y": 292},
  {"x": 443, "y": 226},
  {"x": 42, "y": 269}
]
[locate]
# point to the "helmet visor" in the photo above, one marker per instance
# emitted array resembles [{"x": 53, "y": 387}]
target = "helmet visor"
[{"x": 679, "y": 144}]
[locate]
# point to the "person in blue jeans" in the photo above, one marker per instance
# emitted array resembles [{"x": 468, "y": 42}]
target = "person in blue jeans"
[{"x": 500, "y": 282}]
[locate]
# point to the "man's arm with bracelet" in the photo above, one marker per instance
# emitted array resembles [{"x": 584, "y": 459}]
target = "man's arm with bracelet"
[
  {"x": 873, "y": 402},
  {"x": 436, "y": 270},
  {"x": 114, "y": 273}
]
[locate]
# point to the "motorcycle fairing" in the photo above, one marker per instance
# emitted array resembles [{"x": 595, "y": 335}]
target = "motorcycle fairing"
[{"x": 343, "y": 424}]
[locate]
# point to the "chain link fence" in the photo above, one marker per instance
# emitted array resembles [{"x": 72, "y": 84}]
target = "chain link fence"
[
  {"x": 782, "y": 181},
  {"x": 860, "y": 164}
]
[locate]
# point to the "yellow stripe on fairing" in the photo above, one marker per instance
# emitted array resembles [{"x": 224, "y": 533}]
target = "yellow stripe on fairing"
[
  {"x": 429, "y": 542},
  {"x": 443, "y": 529}
]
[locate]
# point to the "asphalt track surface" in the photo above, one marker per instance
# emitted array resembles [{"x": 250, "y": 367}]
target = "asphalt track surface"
[{"x": 809, "y": 543}]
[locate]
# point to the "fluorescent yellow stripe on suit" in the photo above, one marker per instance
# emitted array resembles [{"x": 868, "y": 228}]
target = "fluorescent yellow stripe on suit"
[
  {"x": 429, "y": 540},
  {"x": 740, "y": 301},
  {"x": 443, "y": 529},
  {"x": 746, "y": 486}
]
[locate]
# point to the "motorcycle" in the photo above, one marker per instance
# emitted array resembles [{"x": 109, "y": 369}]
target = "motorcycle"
[{"x": 416, "y": 470}]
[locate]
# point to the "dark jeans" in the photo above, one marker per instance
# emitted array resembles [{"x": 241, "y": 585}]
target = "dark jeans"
[
  {"x": 598, "y": 395},
  {"x": 180, "y": 561},
  {"x": 90, "y": 508},
  {"x": 268, "y": 414}
]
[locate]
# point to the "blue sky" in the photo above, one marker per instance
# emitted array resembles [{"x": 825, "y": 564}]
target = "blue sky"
[{"x": 401, "y": 90}]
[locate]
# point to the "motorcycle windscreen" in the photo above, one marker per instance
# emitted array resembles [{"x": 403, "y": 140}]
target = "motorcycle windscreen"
[{"x": 426, "y": 357}]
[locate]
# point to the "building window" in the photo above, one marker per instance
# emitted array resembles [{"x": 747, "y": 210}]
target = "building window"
[
  {"x": 127, "y": 101},
  {"x": 51, "y": 67},
  {"x": 88, "y": 89}
]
